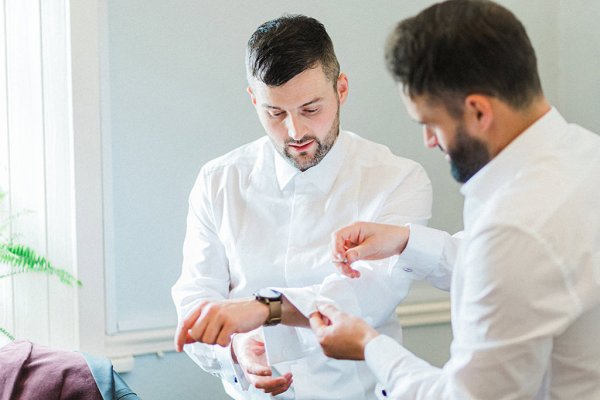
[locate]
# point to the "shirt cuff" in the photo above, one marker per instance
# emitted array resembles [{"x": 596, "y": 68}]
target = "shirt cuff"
[
  {"x": 423, "y": 251},
  {"x": 282, "y": 344},
  {"x": 230, "y": 370},
  {"x": 381, "y": 354},
  {"x": 304, "y": 299}
]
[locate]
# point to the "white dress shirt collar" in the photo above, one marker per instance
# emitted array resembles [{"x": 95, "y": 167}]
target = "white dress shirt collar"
[
  {"x": 502, "y": 168},
  {"x": 321, "y": 175}
]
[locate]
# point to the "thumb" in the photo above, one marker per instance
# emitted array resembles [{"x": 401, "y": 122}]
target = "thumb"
[
  {"x": 317, "y": 321},
  {"x": 329, "y": 311},
  {"x": 360, "y": 252}
]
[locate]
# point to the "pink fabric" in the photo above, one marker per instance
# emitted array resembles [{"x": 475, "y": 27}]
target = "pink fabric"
[{"x": 33, "y": 372}]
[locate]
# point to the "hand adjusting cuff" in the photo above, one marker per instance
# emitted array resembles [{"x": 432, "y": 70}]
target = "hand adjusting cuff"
[{"x": 272, "y": 299}]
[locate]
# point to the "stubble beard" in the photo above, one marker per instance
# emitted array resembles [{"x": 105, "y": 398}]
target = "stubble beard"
[
  {"x": 468, "y": 156},
  {"x": 303, "y": 160}
]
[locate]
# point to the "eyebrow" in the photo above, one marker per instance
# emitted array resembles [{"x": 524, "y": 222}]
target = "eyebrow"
[{"x": 318, "y": 99}]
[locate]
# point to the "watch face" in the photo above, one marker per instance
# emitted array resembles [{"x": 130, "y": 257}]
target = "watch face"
[{"x": 268, "y": 294}]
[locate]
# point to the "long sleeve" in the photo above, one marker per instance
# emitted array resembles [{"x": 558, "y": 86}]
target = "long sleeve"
[
  {"x": 205, "y": 275},
  {"x": 430, "y": 255},
  {"x": 512, "y": 299}
]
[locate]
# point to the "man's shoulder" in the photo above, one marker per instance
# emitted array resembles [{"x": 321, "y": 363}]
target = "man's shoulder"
[
  {"x": 242, "y": 158},
  {"x": 552, "y": 192},
  {"x": 369, "y": 154}
]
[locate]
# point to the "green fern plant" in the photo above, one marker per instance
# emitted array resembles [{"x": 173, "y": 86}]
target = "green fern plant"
[{"x": 21, "y": 259}]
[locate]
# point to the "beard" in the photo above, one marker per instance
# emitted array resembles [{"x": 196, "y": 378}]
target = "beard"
[
  {"x": 304, "y": 160},
  {"x": 467, "y": 156}
]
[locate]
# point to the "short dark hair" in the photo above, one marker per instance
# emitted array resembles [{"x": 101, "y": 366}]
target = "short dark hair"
[
  {"x": 460, "y": 47},
  {"x": 282, "y": 48}
]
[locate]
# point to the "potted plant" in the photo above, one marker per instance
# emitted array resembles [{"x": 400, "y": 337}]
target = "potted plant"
[{"x": 16, "y": 258}]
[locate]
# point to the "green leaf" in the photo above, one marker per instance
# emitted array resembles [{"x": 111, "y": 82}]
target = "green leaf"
[
  {"x": 22, "y": 259},
  {"x": 6, "y": 333}
]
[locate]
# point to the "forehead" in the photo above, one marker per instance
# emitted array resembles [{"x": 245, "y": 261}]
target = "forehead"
[{"x": 304, "y": 87}]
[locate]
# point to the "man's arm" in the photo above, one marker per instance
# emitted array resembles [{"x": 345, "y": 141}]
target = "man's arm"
[
  {"x": 214, "y": 322},
  {"x": 513, "y": 301},
  {"x": 425, "y": 253},
  {"x": 205, "y": 277},
  {"x": 204, "y": 274}
]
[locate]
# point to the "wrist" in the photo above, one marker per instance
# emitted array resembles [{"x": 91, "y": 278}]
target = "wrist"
[
  {"x": 403, "y": 235},
  {"x": 367, "y": 337},
  {"x": 262, "y": 311}
]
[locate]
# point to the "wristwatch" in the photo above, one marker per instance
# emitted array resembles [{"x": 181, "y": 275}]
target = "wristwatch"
[{"x": 272, "y": 299}]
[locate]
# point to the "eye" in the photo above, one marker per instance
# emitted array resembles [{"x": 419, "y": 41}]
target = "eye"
[
  {"x": 275, "y": 114},
  {"x": 310, "y": 110}
]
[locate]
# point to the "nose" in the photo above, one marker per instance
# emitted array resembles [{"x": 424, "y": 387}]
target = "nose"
[
  {"x": 429, "y": 137},
  {"x": 296, "y": 129}
]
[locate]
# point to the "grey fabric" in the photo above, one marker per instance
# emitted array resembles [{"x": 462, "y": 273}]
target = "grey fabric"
[{"x": 109, "y": 382}]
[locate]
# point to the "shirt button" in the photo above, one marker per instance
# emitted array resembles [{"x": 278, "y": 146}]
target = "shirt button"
[
  {"x": 407, "y": 269},
  {"x": 384, "y": 393}
]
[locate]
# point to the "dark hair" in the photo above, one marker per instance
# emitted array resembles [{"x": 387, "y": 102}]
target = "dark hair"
[
  {"x": 460, "y": 47},
  {"x": 282, "y": 48}
]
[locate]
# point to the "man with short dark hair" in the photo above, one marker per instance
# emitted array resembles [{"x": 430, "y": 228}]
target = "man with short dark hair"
[
  {"x": 526, "y": 275},
  {"x": 261, "y": 216}
]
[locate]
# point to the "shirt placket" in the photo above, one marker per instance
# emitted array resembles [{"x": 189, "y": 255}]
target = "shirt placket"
[{"x": 304, "y": 218}]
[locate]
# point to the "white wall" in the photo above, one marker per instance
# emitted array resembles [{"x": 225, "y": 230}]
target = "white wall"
[{"x": 578, "y": 63}]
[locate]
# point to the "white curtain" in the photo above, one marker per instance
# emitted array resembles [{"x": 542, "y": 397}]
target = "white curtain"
[{"x": 36, "y": 164}]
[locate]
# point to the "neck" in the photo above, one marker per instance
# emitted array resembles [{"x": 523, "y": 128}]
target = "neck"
[{"x": 511, "y": 123}]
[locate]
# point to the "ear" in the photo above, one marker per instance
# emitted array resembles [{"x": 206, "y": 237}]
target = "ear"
[
  {"x": 342, "y": 87},
  {"x": 252, "y": 97},
  {"x": 478, "y": 113}
]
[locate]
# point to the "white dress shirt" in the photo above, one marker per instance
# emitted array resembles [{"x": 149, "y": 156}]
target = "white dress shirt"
[
  {"x": 255, "y": 221},
  {"x": 526, "y": 284}
]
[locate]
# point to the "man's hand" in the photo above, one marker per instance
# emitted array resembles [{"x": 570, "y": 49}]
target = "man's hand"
[
  {"x": 213, "y": 322},
  {"x": 249, "y": 351},
  {"x": 366, "y": 241},
  {"x": 341, "y": 335}
]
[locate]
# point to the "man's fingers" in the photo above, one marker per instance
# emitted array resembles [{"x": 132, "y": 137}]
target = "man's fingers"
[
  {"x": 274, "y": 386},
  {"x": 182, "y": 335},
  {"x": 284, "y": 387},
  {"x": 258, "y": 369},
  {"x": 224, "y": 336},
  {"x": 341, "y": 238},
  {"x": 203, "y": 321},
  {"x": 316, "y": 321},
  {"x": 212, "y": 330},
  {"x": 354, "y": 254},
  {"x": 268, "y": 383},
  {"x": 346, "y": 269},
  {"x": 189, "y": 339},
  {"x": 329, "y": 311}
]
